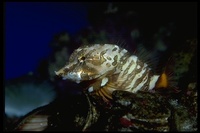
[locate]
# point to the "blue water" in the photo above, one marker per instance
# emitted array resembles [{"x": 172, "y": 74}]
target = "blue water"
[{"x": 30, "y": 26}]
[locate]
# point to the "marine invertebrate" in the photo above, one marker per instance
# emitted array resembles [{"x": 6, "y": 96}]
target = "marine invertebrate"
[{"x": 109, "y": 67}]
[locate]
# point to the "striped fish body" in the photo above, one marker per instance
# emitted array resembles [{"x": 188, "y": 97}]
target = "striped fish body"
[{"x": 110, "y": 67}]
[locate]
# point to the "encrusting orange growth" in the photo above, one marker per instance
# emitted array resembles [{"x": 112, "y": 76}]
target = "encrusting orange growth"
[{"x": 162, "y": 81}]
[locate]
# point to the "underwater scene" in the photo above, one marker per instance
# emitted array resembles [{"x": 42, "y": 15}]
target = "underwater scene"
[{"x": 100, "y": 66}]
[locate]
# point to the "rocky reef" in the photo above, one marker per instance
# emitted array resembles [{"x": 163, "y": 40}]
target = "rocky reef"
[{"x": 75, "y": 109}]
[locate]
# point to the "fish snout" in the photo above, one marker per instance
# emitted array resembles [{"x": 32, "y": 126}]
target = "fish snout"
[{"x": 62, "y": 72}]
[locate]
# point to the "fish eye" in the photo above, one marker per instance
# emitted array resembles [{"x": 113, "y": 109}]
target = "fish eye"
[{"x": 82, "y": 58}]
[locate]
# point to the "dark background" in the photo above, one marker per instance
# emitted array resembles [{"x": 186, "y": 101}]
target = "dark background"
[{"x": 30, "y": 26}]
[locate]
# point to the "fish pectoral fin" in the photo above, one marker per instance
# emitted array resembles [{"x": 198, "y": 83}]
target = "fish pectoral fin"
[{"x": 105, "y": 93}]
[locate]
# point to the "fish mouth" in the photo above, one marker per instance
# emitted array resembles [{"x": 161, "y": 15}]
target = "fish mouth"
[
  {"x": 74, "y": 76},
  {"x": 78, "y": 76}
]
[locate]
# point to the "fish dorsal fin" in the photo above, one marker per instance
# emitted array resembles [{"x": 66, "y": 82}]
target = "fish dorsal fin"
[{"x": 150, "y": 57}]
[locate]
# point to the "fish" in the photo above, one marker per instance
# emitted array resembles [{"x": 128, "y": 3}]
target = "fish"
[{"x": 109, "y": 67}]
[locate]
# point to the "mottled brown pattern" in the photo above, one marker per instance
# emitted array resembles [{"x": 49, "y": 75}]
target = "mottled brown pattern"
[
  {"x": 108, "y": 64},
  {"x": 96, "y": 62},
  {"x": 126, "y": 70},
  {"x": 90, "y": 53},
  {"x": 141, "y": 79},
  {"x": 102, "y": 58},
  {"x": 145, "y": 86},
  {"x": 123, "y": 60},
  {"x": 87, "y": 71},
  {"x": 136, "y": 71},
  {"x": 109, "y": 58},
  {"x": 114, "y": 63},
  {"x": 114, "y": 49}
]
